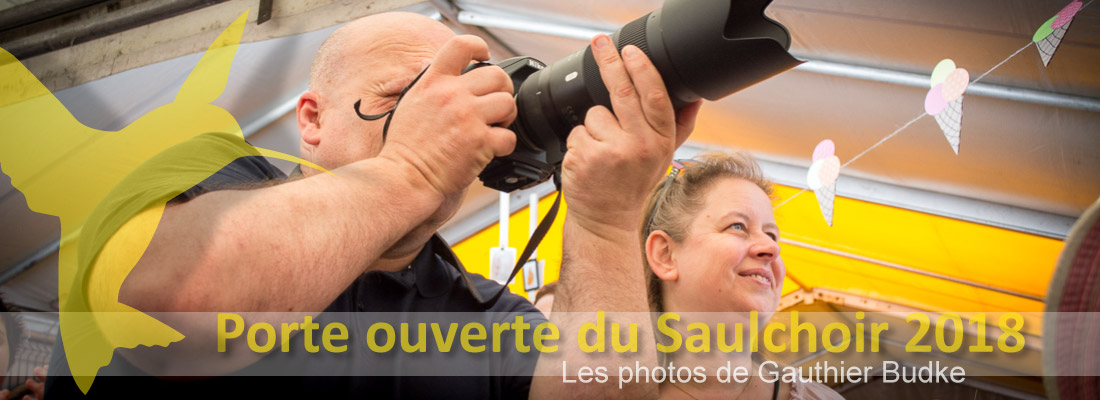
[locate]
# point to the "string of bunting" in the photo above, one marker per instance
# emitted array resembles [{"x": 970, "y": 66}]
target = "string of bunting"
[{"x": 944, "y": 102}]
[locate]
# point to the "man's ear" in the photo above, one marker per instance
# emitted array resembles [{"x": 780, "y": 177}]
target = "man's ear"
[
  {"x": 309, "y": 118},
  {"x": 658, "y": 252}
]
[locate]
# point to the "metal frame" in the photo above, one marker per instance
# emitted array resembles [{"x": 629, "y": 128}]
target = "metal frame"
[
  {"x": 896, "y": 310},
  {"x": 449, "y": 12},
  {"x": 832, "y": 297},
  {"x": 909, "y": 269},
  {"x": 80, "y": 31}
]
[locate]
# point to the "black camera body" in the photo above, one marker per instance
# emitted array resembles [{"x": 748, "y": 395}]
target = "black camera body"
[{"x": 702, "y": 49}]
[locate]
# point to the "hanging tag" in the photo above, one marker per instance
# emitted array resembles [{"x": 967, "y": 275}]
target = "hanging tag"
[
  {"x": 501, "y": 261},
  {"x": 532, "y": 274}
]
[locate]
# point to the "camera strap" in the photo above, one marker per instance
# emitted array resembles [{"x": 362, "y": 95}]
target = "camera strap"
[
  {"x": 533, "y": 243},
  {"x": 388, "y": 114},
  {"x": 536, "y": 238}
]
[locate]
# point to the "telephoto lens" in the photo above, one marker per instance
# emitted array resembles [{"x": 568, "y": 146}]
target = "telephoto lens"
[{"x": 702, "y": 48}]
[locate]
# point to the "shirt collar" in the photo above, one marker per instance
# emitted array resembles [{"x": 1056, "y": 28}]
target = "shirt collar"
[{"x": 433, "y": 271}]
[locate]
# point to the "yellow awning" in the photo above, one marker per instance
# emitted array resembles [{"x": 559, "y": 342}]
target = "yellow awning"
[{"x": 861, "y": 253}]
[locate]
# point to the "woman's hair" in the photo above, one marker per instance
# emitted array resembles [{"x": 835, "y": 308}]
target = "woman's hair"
[{"x": 684, "y": 196}]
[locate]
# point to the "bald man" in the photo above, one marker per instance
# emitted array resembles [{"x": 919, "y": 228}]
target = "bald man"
[{"x": 362, "y": 239}]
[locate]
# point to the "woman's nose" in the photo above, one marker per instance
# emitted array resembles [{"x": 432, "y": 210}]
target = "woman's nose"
[{"x": 765, "y": 247}]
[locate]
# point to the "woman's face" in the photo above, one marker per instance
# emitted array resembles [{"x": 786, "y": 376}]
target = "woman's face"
[{"x": 728, "y": 260}]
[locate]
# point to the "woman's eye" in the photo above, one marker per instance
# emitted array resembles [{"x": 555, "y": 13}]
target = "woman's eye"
[
  {"x": 738, "y": 226},
  {"x": 774, "y": 237}
]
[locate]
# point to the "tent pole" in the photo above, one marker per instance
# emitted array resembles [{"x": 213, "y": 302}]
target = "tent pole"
[{"x": 909, "y": 269}]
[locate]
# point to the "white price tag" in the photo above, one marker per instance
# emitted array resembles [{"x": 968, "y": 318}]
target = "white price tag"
[{"x": 501, "y": 261}]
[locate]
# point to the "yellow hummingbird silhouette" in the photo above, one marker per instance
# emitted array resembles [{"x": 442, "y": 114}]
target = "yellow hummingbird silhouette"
[{"x": 86, "y": 177}]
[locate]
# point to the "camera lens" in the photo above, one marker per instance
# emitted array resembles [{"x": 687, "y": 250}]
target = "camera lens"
[{"x": 702, "y": 49}]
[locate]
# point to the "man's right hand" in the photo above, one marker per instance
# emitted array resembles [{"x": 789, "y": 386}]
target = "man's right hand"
[
  {"x": 615, "y": 160},
  {"x": 449, "y": 125}
]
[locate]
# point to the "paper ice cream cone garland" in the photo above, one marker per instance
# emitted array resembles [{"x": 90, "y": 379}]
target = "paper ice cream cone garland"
[
  {"x": 944, "y": 99},
  {"x": 943, "y": 102},
  {"x": 1050, "y": 34},
  {"x": 822, "y": 175}
]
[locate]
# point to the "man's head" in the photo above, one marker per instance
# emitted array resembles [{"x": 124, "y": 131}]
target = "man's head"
[{"x": 372, "y": 59}]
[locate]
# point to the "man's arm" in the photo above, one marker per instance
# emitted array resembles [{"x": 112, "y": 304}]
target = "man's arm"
[
  {"x": 612, "y": 164},
  {"x": 290, "y": 247},
  {"x": 295, "y": 247},
  {"x": 278, "y": 253}
]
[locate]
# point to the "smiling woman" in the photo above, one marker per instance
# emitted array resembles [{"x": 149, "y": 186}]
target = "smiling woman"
[
  {"x": 711, "y": 248},
  {"x": 711, "y": 231}
]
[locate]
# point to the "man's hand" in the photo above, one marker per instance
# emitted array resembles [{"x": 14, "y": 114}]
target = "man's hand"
[
  {"x": 38, "y": 385},
  {"x": 448, "y": 125},
  {"x": 614, "y": 160},
  {"x": 34, "y": 386}
]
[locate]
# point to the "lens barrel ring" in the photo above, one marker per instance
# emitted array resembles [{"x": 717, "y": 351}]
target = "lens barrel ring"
[{"x": 634, "y": 33}]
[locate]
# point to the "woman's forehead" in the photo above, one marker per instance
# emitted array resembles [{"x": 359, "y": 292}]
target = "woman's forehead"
[{"x": 737, "y": 197}]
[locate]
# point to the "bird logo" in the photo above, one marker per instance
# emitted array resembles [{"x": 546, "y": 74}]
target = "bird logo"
[{"x": 86, "y": 177}]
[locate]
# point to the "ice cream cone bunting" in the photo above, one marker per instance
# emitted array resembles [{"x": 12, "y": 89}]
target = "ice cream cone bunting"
[
  {"x": 1048, "y": 45},
  {"x": 826, "y": 198},
  {"x": 950, "y": 121}
]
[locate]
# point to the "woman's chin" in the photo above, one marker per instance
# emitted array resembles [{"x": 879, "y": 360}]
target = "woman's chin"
[{"x": 764, "y": 307}]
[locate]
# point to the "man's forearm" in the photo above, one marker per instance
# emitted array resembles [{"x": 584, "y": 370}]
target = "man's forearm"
[
  {"x": 289, "y": 247},
  {"x": 601, "y": 271}
]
